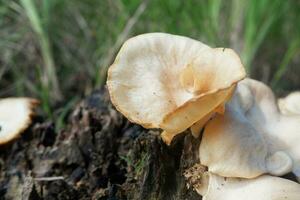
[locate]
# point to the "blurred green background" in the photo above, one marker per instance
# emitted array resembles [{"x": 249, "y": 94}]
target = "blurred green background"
[{"x": 59, "y": 50}]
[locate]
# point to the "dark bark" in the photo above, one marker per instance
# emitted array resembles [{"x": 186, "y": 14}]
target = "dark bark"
[{"x": 100, "y": 155}]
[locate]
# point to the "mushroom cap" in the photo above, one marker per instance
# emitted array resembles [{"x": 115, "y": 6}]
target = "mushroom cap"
[
  {"x": 170, "y": 82},
  {"x": 290, "y": 104},
  {"x": 252, "y": 137},
  {"x": 231, "y": 146},
  {"x": 263, "y": 188},
  {"x": 15, "y": 117}
]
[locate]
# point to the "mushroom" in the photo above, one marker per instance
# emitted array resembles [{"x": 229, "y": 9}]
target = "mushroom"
[
  {"x": 172, "y": 82},
  {"x": 15, "y": 117},
  {"x": 264, "y": 187},
  {"x": 290, "y": 104},
  {"x": 252, "y": 137}
]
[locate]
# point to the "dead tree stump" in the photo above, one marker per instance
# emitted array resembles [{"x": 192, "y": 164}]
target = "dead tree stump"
[{"x": 98, "y": 155}]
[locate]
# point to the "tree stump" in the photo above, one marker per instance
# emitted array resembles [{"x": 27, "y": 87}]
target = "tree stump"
[{"x": 99, "y": 155}]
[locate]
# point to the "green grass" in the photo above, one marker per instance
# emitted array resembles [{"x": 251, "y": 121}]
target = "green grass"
[
  {"x": 49, "y": 80},
  {"x": 138, "y": 165},
  {"x": 57, "y": 50}
]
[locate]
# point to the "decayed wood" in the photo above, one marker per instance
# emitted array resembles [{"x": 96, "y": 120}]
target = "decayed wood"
[{"x": 99, "y": 155}]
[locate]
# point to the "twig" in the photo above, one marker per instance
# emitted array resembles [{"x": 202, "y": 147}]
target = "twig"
[{"x": 54, "y": 178}]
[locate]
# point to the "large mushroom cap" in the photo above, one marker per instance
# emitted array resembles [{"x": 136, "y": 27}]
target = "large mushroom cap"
[
  {"x": 15, "y": 117},
  {"x": 252, "y": 137},
  {"x": 261, "y": 188},
  {"x": 170, "y": 82}
]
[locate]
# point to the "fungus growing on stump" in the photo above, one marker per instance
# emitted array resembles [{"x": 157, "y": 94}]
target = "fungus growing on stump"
[
  {"x": 171, "y": 82},
  {"x": 252, "y": 137},
  {"x": 15, "y": 117},
  {"x": 174, "y": 83}
]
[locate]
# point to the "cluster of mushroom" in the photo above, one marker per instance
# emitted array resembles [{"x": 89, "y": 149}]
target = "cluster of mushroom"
[
  {"x": 15, "y": 117},
  {"x": 174, "y": 83}
]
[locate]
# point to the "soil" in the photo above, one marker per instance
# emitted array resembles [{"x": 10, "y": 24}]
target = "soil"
[{"x": 99, "y": 155}]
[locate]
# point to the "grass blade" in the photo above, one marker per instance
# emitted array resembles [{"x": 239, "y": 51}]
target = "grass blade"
[
  {"x": 283, "y": 67},
  {"x": 50, "y": 79}
]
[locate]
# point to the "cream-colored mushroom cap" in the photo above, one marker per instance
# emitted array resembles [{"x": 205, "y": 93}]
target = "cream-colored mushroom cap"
[
  {"x": 290, "y": 104},
  {"x": 170, "y": 82},
  {"x": 15, "y": 117},
  {"x": 261, "y": 188},
  {"x": 252, "y": 137}
]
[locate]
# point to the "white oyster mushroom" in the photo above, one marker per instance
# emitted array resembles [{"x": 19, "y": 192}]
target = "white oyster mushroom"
[
  {"x": 170, "y": 82},
  {"x": 264, "y": 187},
  {"x": 252, "y": 137},
  {"x": 15, "y": 117},
  {"x": 290, "y": 104}
]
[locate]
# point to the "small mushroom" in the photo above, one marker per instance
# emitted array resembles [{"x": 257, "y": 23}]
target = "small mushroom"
[
  {"x": 15, "y": 117},
  {"x": 252, "y": 137},
  {"x": 290, "y": 104},
  {"x": 171, "y": 82},
  {"x": 264, "y": 187}
]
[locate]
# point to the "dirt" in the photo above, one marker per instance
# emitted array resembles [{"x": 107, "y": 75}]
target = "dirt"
[{"x": 99, "y": 155}]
